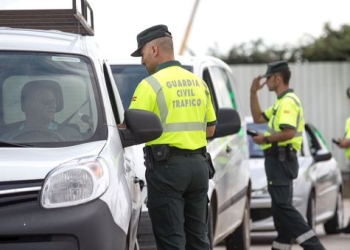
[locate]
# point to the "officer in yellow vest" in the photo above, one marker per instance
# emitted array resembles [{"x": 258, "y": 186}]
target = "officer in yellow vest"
[
  {"x": 280, "y": 143},
  {"x": 176, "y": 167},
  {"x": 345, "y": 144}
]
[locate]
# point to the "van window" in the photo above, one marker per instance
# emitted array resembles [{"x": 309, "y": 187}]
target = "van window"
[
  {"x": 222, "y": 82},
  {"x": 48, "y": 98},
  {"x": 127, "y": 77}
]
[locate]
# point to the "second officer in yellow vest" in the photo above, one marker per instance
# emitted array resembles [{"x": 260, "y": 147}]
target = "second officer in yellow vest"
[
  {"x": 177, "y": 168},
  {"x": 280, "y": 143}
]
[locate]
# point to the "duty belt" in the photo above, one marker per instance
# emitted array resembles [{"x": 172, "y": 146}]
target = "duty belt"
[
  {"x": 181, "y": 151},
  {"x": 276, "y": 151}
]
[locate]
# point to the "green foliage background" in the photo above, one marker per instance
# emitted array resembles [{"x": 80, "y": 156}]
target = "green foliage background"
[{"x": 332, "y": 45}]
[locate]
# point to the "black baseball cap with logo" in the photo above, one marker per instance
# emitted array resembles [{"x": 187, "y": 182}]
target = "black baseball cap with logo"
[{"x": 150, "y": 34}]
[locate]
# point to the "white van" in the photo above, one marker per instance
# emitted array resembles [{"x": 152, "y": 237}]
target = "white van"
[
  {"x": 229, "y": 190},
  {"x": 68, "y": 182}
]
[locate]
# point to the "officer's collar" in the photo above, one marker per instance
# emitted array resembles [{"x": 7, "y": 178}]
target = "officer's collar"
[
  {"x": 168, "y": 64},
  {"x": 284, "y": 93}
]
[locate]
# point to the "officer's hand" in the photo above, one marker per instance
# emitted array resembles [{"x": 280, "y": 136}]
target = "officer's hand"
[
  {"x": 343, "y": 143},
  {"x": 256, "y": 86},
  {"x": 258, "y": 139},
  {"x": 121, "y": 125}
]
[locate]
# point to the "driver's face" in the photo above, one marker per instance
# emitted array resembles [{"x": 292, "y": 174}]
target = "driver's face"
[{"x": 42, "y": 106}]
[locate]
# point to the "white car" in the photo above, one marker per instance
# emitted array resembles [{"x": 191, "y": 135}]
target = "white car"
[
  {"x": 318, "y": 189},
  {"x": 229, "y": 190}
]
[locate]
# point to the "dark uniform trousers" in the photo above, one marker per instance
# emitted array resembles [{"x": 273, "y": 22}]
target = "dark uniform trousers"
[
  {"x": 289, "y": 223},
  {"x": 178, "y": 202}
]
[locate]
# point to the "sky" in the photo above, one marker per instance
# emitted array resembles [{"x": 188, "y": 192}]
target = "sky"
[{"x": 217, "y": 24}]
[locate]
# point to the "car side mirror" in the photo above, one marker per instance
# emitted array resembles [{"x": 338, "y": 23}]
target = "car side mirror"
[
  {"x": 228, "y": 122},
  {"x": 322, "y": 155},
  {"x": 141, "y": 126}
]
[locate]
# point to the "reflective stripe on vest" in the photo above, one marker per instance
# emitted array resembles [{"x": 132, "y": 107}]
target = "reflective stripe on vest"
[
  {"x": 163, "y": 111},
  {"x": 281, "y": 246}
]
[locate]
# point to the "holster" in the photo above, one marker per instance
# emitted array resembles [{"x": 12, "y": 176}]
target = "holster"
[
  {"x": 155, "y": 153},
  {"x": 211, "y": 168},
  {"x": 282, "y": 156},
  {"x": 148, "y": 158},
  {"x": 160, "y": 152},
  {"x": 283, "y": 153}
]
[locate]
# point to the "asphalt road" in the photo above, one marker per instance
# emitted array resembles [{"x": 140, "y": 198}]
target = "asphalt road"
[{"x": 331, "y": 242}]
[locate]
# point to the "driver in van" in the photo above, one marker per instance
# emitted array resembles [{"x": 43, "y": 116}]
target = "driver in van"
[{"x": 40, "y": 100}]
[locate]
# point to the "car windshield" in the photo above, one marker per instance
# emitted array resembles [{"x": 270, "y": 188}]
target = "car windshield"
[
  {"x": 48, "y": 100},
  {"x": 127, "y": 77},
  {"x": 254, "y": 149}
]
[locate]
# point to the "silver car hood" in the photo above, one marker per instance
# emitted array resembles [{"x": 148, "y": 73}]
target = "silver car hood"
[
  {"x": 35, "y": 163},
  {"x": 257, "y": 170}
]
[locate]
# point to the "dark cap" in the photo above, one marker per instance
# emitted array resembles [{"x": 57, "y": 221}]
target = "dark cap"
[
  {"x": 276, "y": 67},
  {"x": 148, "y": 35}
]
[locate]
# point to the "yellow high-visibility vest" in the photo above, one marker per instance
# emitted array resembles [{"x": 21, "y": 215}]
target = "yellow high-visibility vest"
[
  {"x": 182, "y": 102},
  {"x": 286, "y": 112}
]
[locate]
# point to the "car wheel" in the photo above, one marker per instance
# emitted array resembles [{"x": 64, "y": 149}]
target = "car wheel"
[
  {"x": 311, "y": 212},
  {"x": 211, "y": 226},
  {"x": 240, "y": 238},
  {"x": 334, "y": 225}
]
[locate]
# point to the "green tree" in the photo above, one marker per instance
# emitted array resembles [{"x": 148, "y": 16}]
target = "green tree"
[
  {"x": 332, "y": 45},
  {"x": 256, "y": 52}
]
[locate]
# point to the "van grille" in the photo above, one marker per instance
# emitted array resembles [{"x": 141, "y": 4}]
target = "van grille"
[{"x": 19, "y": 192}]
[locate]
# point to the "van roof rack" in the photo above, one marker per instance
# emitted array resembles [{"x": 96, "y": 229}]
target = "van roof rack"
[{"x": 79, "y": 19}]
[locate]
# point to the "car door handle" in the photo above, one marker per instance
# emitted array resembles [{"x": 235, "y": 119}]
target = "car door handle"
[
  {"x": 127, "y": 168},
  {"x": 228, "y": 149}
]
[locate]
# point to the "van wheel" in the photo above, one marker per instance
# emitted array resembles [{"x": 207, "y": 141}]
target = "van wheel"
[
  {"x": 240, "y": 239},
  {"x": 311, "y": 212},
  {"x": 333, "y": 225}
]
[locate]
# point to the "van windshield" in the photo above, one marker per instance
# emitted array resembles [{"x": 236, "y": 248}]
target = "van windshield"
[{"x": 48, "y": 100}]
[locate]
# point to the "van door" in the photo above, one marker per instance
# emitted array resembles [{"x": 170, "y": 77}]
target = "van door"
[{"x": 129, "y": 154}]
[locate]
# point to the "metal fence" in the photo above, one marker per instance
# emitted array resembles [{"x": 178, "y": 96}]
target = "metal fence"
[{"x": 321, "y": 88}]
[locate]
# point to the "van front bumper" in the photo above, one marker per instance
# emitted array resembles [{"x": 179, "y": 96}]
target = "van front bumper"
[{"x": 84, "y": 227}]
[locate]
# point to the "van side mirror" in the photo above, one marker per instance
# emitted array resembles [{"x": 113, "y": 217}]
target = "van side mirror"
[
  {"x": 228, "y": 122},
  {"x": 141, "y": 126}
]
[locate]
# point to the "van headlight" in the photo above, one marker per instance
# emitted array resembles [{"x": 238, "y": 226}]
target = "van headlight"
[{"x": 75, "y": 182}]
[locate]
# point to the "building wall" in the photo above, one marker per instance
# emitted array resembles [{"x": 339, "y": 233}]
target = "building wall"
[{"x": 321, "y": 87}]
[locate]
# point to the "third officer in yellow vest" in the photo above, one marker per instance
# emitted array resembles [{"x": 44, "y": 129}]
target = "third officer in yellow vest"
[
  {"x": 280, "y": 143},
  {"x": 177, "y": 164},
  {"x": 344, "y": 143}
]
